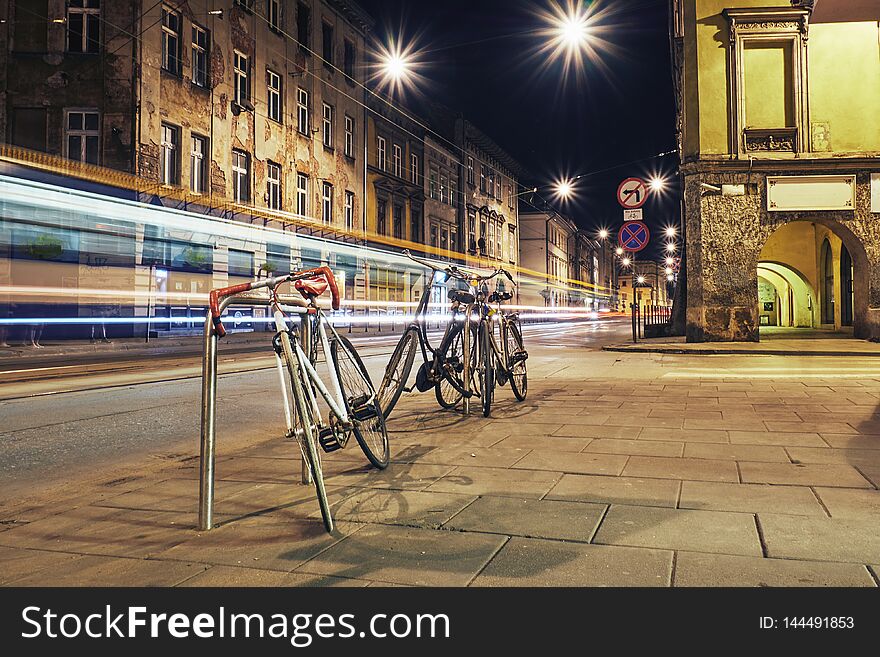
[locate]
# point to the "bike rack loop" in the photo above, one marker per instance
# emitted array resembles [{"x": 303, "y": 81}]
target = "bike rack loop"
[{"x": 208, "y": 437}]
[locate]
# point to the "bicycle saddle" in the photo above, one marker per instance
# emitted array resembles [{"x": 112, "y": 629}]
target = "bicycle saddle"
[
  {"x": 495, "y": 297},
  {"x": 461, "y": 296},
  {"x": 311, "y": 289}
]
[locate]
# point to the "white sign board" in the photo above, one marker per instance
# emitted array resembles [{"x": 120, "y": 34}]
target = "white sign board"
[
  {"x": 805, "y": 193},
  {"x": 632, "y": 215},
  {"x": 875, "y": 192}
]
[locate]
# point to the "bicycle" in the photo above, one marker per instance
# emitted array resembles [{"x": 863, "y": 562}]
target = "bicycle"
[
  {"x": 350, "y": 395},
  {"x": 443, "y": 369},
  {"x": 494, "y": 364}
]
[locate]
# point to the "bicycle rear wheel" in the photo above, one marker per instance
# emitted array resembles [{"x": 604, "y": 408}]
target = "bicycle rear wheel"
[
  {"x": 397, "y": 372},
  {"x": 516, "y": 361},
  {"x": 448, "y": 395},
  {"x": 305, "y": 421},
  {"x": 368, "y": 423}
]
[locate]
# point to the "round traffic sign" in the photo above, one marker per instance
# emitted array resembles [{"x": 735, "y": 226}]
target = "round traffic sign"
[
  {"x": 633, "y": 236},
  {"x": 632, "y": 193}
]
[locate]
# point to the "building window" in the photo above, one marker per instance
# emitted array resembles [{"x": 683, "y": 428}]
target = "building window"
[
  {"x": 491, "y": 183},
  {"x": 381, "y": 153},
  {"x": 327, "y": 44},
  {"x": 472, "y": 231},
  {"x": 247, "y": 5},
  {"x": 511, "y": 245},
  {"x": 414, "y": 169},
  {"x": 242, "y": 82},
  {"x": 171, "y": 40},
  {"x": 241, "y": 177},
  {"x": 327, "y": 202},
  {"x": 328, "y": 126},
  {"x": 302, "y": 194},
  {"x": 483, "y": 178},
  {"x": 348, "y": 59},
  {"x": 199, "y": 56},
  {"x": 349, "y": 136},
  {"x": 83, "y": 26},
  {"x": 83, "y": 136},
  {"x": 398, "y": 160},
  {"x": 380, "y": 217},
  {"x": 491, "y": 239},
  {"x": 302, "y": 111},
  {"x": 451, "y": 191},
  {"x": 435, "y": 235},
  {"x": 470, "y": 170},
  {"x": 415, "y": 225},
  {"x": 498, "y": 187},
  {"x": 197, "y": 160},
  {"x": 432, "y": 184},
  {"x": 273, "y": 186},
  {"x": 349, "y": 210},
  {"x": 398, "y": 221},
  {"x": 444, "y": 187},
  {"x": 273, "y": 85},
  {"x": 303, "y": 22},
  {"x": 499, "y": 241},
  {"x": 170, "y": 154},
  {"x": 481, "y": 242},
  {"x": 510, "y": 197},
  {"x": 275, "y": 15}
]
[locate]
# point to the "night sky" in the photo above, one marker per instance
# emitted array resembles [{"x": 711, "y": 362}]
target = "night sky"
[{"x": 619, "y": 109}]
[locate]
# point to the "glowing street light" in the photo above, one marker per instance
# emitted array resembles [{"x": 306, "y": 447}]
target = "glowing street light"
[
  {"x": 670, "y": 278},
  {"x": 670, "y": 260},
  {"x": 641, "y": 280},
  {"x": 564, "y": 188},
  {"x": 670, "y": 247},
  {"x": 657, "y": 184},
  {"x": 670, "y": 231},
  {"x": 395, "y": 68},
  {"x": 573, "y": 30},
  {"x": 625, "y": 262},
  {"x": 668, "y": 271},
  {"x": 603, "y": 233},
  {"x": 619, "y": 251}
]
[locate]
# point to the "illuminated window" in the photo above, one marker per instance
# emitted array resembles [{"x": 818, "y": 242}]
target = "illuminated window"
[
  {"x": 302, "y": 194},
  {"x": 327, "y": 202},
  {"x": 327, "y": 125},
  {"x": 397, "y": 158},
  {"x": 197, "y": 163},
  {"x": 170, "y": 154},
  {"x": 302, "y": 111},
  {"x": 349, "y": 136},
  {"x": 241, "y": 176},
  {"x": 381, "y": 152},
  {"x": 241, "y": 78}
]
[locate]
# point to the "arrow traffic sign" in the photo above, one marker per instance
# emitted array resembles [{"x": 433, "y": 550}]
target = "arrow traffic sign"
[
  {"x": 633, "y": 236},
  {"x": 632, "y": 193}
]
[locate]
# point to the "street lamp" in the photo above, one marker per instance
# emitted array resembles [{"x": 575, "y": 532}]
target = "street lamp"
[
  {"x": 668, "y": 271},
  {"x": 603, "y": 233},
  {"x": 670, "y": 278},
  {"x": 670, "y": 260},
  {"x": 641, "y": 280},
  {"x": 625, "y": 262},
  {"x": 670, "y": 247},
  {"x": 670, "y": 231},
  {"x": 657, "y": 184}
]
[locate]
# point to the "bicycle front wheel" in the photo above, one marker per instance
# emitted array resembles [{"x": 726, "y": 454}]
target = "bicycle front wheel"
[
  {"x": 368, "y": 423},
  {"x": 516, "y": 361},
  {"x": 450, "y": 358},
  {"x": 397, "y": 372},
  {"x": 487, "y": 376},
  {"x": 306, "y": 424}
]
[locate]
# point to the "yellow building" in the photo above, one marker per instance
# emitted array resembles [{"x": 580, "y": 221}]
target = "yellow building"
[{"x": 779, "y": 132}]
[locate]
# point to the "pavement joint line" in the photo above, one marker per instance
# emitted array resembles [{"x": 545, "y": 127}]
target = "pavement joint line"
[
  {"x": 599, "y": 524},
  {"x": 478, "y": 497},
  {"x": 739, "y": 476},
  {"x": 873, "y": 575},
  {"x": 761, "y": 538},
  {"x": 678, "y": 494},
  {"x": 858, "y": 469},
  {"x": 673, "y": 568},
  {"x": 489, "y": 560},
  {"x": 819, "y": 500}
]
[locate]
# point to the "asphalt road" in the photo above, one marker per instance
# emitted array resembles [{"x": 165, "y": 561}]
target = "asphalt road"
[{"x": 85, "y": 417}]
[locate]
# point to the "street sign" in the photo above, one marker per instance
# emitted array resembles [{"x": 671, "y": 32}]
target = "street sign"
[
  {"x": 633, "y": 236},
  {"x": 632, "y": 193},
  {"x": 632, "y": 215}
]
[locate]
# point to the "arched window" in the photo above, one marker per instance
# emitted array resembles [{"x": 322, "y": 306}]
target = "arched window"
[{"x": 827, "y": 279}]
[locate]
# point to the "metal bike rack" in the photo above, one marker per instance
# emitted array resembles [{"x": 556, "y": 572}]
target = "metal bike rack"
[{"x": 209, "y": 411}]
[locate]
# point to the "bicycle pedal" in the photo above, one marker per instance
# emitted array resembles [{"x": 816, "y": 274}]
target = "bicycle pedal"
[
  {"x": 519, "y": 357},
  {"x": 364, "y": 412},
  {"x": 329, "y": 440}
]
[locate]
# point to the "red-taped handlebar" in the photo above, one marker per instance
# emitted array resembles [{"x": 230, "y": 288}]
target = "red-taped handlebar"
[{"x": 216, "y": 296}]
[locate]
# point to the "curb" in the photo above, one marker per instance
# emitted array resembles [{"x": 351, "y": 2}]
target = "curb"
[{"x": 734, "y": 351}]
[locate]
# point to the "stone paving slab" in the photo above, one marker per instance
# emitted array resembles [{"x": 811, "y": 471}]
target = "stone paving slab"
[
  {"x": 21, "y": 562},
  {"x": 411, "y": 508},
  {"x": 228, "y": 576},
  {"x": 634, "y": 447},
  {"x": 777, "y": 439},
  {"x": 611, "y": 464},
  {"x": 736, "y": 452},
  {"x": 820, "y": 539},
  {"x": 616, "y": 490},
  {"x": 674, "y": 529},
  {"x": 681, "y": 468},
  {"x": 543, "y": 441},
  {"x": 532, "y": 484},
  {"x": 476, "y": 456},
  {"x": 700, "y": 569},
  {"x": 574, "y": 521},
  {"x": 534, "y": 562},
  {"x": 800, "y": 474},
  {"x": 749, "y": 498},
  {"x": 110, "y": 571},
  {"x": 406, "y": 555},
  {"x": 680, "y": 435},
  {"x": 845, "y": 503}
]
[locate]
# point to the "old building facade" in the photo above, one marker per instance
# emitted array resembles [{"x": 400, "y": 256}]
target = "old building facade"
[{"x": 779, "y": 137}]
